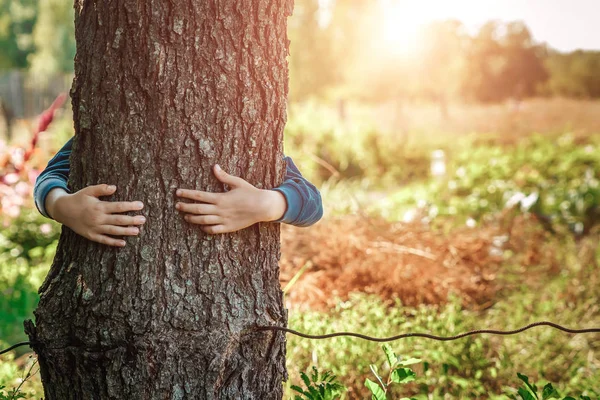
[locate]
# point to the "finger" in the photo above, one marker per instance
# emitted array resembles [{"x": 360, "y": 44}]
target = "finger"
[
  {"x": 113, "y": 207},
  {"x": 124, "y": 220},
  {"x": 204, "y": 219},
  {"x": 214, "y": 229},
  {"x": 227, "y": 179},
  {"x": 118, "y": 230},
  {"x": 196, "y": 208},
  {"x": 205, "y": 197},
  {"x": 99, "y": 190},
  {"x": 103, "y": 239}
]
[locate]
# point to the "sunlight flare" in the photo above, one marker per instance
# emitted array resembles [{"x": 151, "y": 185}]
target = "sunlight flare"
[{"x": 402, "y": 25}]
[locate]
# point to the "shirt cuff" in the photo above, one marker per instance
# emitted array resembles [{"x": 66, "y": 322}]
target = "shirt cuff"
[
  {"x": 293, "y": 200},
  {"x": 42, "y": 190}
]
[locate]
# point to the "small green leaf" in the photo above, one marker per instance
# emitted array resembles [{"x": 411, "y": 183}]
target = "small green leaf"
[
  {"x": 391, "y": 356},
  {"x": 376, "y": 390},
  {"x": 315, "y": 374},
  {"x": 410, "y": 361},
  {"x": 297, "y": 389},
  {"x": 403, "y": 375},
  {"x": 531, "y": 386},
  {"x": 313, "y": 392},
  {"x": 301, "y": 391},
  {"x": 549, "y": 392},
  {"x": 305, "y": 379},
  {"x": 373, "y": 368},
  {"x": 526, "y": 394}
]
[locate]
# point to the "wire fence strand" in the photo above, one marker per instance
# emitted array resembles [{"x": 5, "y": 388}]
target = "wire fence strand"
[
  {"x": 397, "y": 337},
  {"x": 428, "y": 335}
]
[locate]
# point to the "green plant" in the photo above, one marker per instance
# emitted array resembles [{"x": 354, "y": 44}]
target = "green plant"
[
  {"x": 12, "y": 394},
  {"x": 318, "y": 386},
  {"x": 27, "y": 248},
  {"x": 398, "y": 374},
  {"x": 530, "y": 391},
  {"x": 16, "y": 392}
]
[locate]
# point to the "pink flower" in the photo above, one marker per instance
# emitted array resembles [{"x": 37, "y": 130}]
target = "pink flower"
[
  {"x": 11, "y": 179},
  {"x": 12, "y": 211},
  {"x": 23, "y": 189},
  {"x": 46, "y": 229},
  {"x": 17, "y": 156}
]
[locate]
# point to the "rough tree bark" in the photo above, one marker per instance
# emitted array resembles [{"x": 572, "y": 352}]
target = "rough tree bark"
[{"x": 163, "y": 90}]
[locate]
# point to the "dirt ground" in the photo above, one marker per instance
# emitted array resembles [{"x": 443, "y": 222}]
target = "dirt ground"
[{"x": 408, "y": 261}]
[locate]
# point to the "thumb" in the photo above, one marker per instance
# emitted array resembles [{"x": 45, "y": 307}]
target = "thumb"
[
  {"x": 227, "y": 179},
  {"x": 99, "y": 190}
]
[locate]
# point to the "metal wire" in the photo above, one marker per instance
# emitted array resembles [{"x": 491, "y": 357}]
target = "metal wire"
[
  {"x": 427, "y": 335},
  {"x": 401, "y": 336},
  {"x": 14, "y": 347}
]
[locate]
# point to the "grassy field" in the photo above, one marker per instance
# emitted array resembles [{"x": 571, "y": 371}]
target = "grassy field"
[{"x": 507, "y": 236}]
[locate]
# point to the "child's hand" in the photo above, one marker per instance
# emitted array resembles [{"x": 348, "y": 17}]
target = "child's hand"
[
  {"x": 243, "y": 205},
  {"x": 93, "y": 218}
]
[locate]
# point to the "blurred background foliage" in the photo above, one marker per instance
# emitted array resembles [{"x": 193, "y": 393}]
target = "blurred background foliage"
[
  {"x": 37, "y": 35},
  {"x": 345, "y": 50}
]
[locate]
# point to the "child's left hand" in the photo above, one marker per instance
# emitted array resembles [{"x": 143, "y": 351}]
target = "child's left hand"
[{"x": 243, "y": 205}]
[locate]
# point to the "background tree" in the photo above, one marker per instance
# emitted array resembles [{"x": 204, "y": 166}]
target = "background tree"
[
  {"x": 576, "y": 74},
  {"x": 17, "y": 18},
  {"x": 441, "y": 70},
  {"x": 54, "y": 39},
  {"x": 503, "y": 62},
  {"x": 524, "y": 69},
  {"x": 164, "y": 90},
  {"x": 313, "y": 67}
]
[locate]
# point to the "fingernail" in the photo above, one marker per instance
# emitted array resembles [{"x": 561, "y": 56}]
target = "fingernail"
[
  {"x": 178, "y": 206},
  {"x": 112, "y": 187},
  {"x": 139, "y": 204},
  {"x": 122, "y": 243},
  {"x": 136, "y": 230},
  {"x": 140, "y": 220},
  {"x": 218, "y": 167},
  {"x": 178, "y": 192}
]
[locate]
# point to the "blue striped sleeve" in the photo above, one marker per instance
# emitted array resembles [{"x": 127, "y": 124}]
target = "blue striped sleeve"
[
  {"x": 304, "y": 205},
  {"x": 55, "y": 175}
]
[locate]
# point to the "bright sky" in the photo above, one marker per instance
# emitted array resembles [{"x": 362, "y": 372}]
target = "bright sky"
[{"x": 564, "y": 24}]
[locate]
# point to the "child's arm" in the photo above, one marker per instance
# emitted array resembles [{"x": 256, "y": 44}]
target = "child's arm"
[
  {"x": 296, "y": 202},
  {"x": 83, "y": 211}
]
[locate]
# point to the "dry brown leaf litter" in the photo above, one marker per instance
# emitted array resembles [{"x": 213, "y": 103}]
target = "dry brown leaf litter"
[{"x": 399, "y": 260}]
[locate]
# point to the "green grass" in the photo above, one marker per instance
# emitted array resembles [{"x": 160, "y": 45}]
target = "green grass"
[{"x": 467, "y": 368}]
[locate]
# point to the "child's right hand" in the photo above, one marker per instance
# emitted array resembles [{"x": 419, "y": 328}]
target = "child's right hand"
[{"x": 93, "y": 218}]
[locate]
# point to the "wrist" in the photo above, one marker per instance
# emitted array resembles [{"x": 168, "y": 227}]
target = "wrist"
[
  {"x": 273, "y": 204},
  {"x": 53, "y": 203}
]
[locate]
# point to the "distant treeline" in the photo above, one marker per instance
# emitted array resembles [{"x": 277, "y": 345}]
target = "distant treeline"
[
  {"x": 346, "y": 57},
  {"x": 338, "y": 51}
]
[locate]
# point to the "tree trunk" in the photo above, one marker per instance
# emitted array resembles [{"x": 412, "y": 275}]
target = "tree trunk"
[{"x": 163, "y": 90}]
